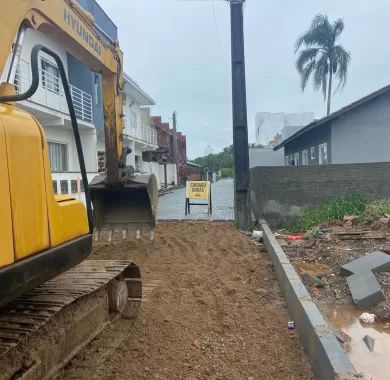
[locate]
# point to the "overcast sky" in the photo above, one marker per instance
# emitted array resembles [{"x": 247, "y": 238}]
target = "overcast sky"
[{"x": 180, "y": 54}]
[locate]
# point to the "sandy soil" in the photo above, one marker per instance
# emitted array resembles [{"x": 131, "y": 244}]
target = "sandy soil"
[{"x": 212, "y": 310}]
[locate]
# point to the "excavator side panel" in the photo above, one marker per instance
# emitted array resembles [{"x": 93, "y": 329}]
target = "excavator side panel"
[
  {"x": 6, "y": 238},
  {"x": 41, "y": 236},
  {"x": 27, "y": 182},
  {"x": 67, "y": 216}
]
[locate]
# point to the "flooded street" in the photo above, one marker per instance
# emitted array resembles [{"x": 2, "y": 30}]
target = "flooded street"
[{"x": 375, "y": 365}]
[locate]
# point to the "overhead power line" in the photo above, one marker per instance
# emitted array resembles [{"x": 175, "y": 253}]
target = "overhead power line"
[{"x": 218, "y": 32}]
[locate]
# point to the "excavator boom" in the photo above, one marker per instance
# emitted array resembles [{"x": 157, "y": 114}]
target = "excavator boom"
[{"x": 121, "y": 198}]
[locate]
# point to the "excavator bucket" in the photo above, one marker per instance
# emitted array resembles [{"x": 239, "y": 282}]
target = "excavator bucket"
[{"x": 128, "y": 209}]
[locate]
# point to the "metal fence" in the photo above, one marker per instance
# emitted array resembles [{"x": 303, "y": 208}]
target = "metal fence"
[
  {"x": 50, "y": 92},
  {"x": 142, "y": 132}
]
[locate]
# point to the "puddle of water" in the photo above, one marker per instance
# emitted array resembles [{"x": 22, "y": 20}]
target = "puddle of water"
[
  {"x": 313, "y": 269},
  {"x": 375, "y": 365}
]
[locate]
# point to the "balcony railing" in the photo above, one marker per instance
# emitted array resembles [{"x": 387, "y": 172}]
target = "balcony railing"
[
  {"x": 50, "y": 92},
  {"x": 149, "y": 134},
  {"x": 142, "y": 132}
]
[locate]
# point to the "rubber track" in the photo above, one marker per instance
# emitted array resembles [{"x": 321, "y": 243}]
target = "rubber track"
[{"x": 28, "y": 313}]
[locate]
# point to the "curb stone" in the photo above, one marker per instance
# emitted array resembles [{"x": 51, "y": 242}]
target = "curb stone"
[{"x": 328, "y": 359}]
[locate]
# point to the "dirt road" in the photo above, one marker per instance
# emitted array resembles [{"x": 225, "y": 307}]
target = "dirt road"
[{"x": 212, "y": 310}]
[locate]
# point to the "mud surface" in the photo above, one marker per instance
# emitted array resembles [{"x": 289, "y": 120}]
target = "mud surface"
[
  {"x": 318, "y": 260},
  {"x": 322, "y": 257},
  {"x": 212, "y": 310}
]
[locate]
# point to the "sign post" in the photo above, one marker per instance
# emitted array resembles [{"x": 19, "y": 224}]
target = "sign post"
[{"x": 198, "y": 190}]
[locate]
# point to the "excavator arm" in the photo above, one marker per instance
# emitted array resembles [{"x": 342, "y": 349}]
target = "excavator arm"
[
  {"x": 121, "y": 200},
  {"x": 66, "y": 21}
]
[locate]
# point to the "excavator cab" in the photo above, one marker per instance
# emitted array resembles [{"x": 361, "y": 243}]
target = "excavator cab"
[{"x": 129, "y": 208}]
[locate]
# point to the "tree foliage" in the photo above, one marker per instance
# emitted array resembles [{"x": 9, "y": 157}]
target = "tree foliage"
[
  {"x": 217, "y": 161},
  {"x": 320, "y": 57},
  {"x": 227, "y": 172}
]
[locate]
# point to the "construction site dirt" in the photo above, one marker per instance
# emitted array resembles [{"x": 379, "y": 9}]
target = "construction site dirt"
[
  {"x": 212, "y": 309},
  {"x": 320, "y": 258}
]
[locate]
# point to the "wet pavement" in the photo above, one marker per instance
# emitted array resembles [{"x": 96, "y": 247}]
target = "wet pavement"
[
  {"x": 374, "y": 365},
  {"x": 172, "y": 206}
]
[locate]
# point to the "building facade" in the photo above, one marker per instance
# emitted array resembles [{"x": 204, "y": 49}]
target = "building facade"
[
  {"x": 165, "y": 140},
  {"x": 268, "y": 124},
  {"x": 139, "y": 134},
  {"x": 357, "y": 133},
  {"x": 48, "y": 105}
]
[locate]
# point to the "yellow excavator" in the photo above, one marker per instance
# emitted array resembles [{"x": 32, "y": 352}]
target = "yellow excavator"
[{"x": 42, "y": 234}]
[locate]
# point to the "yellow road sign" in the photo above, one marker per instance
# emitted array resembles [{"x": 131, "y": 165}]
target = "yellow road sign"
[{"x": 198, "y": 190}]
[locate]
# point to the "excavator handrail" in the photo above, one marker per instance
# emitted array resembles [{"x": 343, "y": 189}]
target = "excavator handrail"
[{"x": 31, "y": 91}]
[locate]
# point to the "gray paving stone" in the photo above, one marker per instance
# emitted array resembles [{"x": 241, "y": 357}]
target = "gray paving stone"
[
  {"x": 172, "y": 206},
  {"x": 365, "y": 289},
  {"x": 369, "y": 341},
  {"x": 375, "y": 262}
]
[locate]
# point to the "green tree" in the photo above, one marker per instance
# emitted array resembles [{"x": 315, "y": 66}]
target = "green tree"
[
  {"x": 227, "y": 173},
  {"x": 319, "y": 56},
  {"x": 217, "y": 161}
]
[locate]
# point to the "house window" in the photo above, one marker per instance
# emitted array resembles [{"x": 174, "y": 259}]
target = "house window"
[
  {"x": 58, "y": 154},
  {"x": 73, "y": 186},
  {"x": 64, "y": 187},
  {"x": 291, "y": 159},
  {"x": 96, "y": 88},
  {"x": 286, "y": 161},
  {"x": 312, "y": 153},
  {"x": 305, "y": 157},
  {"x": 50, "y": 76},
  {"x": 323, "y": 154},
  {"x": 55, "y": 188},
  {"x": 296, "y": 159}
]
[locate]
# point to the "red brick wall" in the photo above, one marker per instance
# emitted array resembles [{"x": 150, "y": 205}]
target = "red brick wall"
[{"x": 165, "y": 139}]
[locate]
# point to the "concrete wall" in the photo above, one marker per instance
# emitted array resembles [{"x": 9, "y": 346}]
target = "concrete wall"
[
  {"x": 282, "y": 194},
  {"x": 69, "y": 177},
  {"x": 363, "y": 135},
  {"x": 265, "y": 157},
  {"x": 62, "y": 135},
  {"x": 171, "y": 174},
  {"x": 311, "y": 139},
  {"x": 154, "y": 168}
]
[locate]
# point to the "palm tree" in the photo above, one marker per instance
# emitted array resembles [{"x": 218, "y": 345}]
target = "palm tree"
[{"x": 320, "y": 57}]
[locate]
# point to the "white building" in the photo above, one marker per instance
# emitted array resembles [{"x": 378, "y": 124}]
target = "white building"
[
  {"x": 269, "y": 124},
  {"x": 209, "y": 150},
  {"x": 48, "y": 105},
  {"x": 139, "y": 132}
]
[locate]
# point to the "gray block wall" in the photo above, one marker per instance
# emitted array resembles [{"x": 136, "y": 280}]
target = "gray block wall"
[
  {"x": 265, "y": 157},
  {"x": 281, "y": 194}
]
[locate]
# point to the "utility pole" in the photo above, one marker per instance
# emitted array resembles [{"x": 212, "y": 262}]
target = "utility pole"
[
  {"x": 242, "y": 210},
  {"x": 175, "y": 152}
]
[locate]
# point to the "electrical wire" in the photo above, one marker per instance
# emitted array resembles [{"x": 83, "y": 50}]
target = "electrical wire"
[{"x": 218, "y": 32}]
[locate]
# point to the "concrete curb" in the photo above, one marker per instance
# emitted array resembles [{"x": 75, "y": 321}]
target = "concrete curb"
[{"x": 328, "y": 359}]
